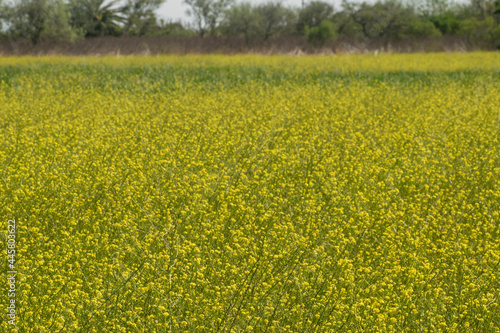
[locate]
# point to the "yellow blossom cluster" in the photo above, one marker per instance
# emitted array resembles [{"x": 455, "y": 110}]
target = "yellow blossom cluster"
[{"x": 253, "y": 194}]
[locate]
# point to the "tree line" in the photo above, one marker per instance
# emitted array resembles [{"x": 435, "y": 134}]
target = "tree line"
[{"x": 316, "y": 21}]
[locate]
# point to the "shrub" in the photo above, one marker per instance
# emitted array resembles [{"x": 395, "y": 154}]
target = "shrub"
[
  {"x": 422, "y": 28},
  {"x": 479, "y": 30},
  {"x": 317, "y": 36}
]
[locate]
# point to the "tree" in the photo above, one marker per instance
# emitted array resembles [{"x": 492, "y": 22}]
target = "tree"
[
  {"x": 496, "y": 12},
  {"x": 436, "y": 7},
  {"x": 57, "y": 23},
  {"x": 482, "y": 8},
  {"x": 207, "y": 14},
  {"x": 95, "y": 17},
  {"x": 172, "y": 28},
  {"x": 313, "y": 14},
  {"x": 480, "y": 30},
  {"x": 394, "y": 18},
  {"x": 365, "y": 16},
  {"x": 273, "y": 18},
  {"x": 242, "y": 18},
  {"x": 422, "y": 28},
  {"x": 447, "y": 22},
  {"x": 379, "y": 19},
  {"x": 345, "y": 25},
  {"x": 139, "y": 16},
  {"x": 318, "y": 35},
  {"x": 37, "y": 20},
  {"x": 3, "y": 11},
  {"x": 26, "y": 20}
]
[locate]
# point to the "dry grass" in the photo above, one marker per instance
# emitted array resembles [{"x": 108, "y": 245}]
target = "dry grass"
[{"x": 295, "y": 45}]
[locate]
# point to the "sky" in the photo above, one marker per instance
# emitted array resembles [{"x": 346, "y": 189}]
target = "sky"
[{"x": 174, "y": 10}]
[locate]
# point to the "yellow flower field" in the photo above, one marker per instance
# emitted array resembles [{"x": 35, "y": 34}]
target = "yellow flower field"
[{"x": 251, "y": 193}]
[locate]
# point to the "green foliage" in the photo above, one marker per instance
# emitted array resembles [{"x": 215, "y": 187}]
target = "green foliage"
[
  {"x": 68, "y": 20},
  {"x": 207, "y": 13},
  {"x": 96, "y": 17},
  {"x": 482, "y": 9},
  {"x": 479, "y": 30},
  {"x": 346, "y": 26},
  {"x": 37, "y": 20},
  {"x": 422, "y": 28},
  {"x": 313, "y": 14},
  {"x": 3, "y": 11},
  {"x": 172, "y": 28},
  {"x": 495, "y": 34},
  {"x": 264, "y": 20},
  {"x": 496, "y": 12},
  {"x": 26, "y": 20},
  {"x": 57, "y": 25},
  {"x": 242, "y": 18},
  {"x": 387, "y": 18},
  {"x": 139, "y": 16},
  {"x": 273, "y": 17},
  {"x": 317, "y": 36},
  {"x": 447, "y": 22},
  {"x": 434, "y": 7}
]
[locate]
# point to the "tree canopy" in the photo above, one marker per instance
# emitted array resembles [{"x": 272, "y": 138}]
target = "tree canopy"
[{"x": 317, "y": 21}]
